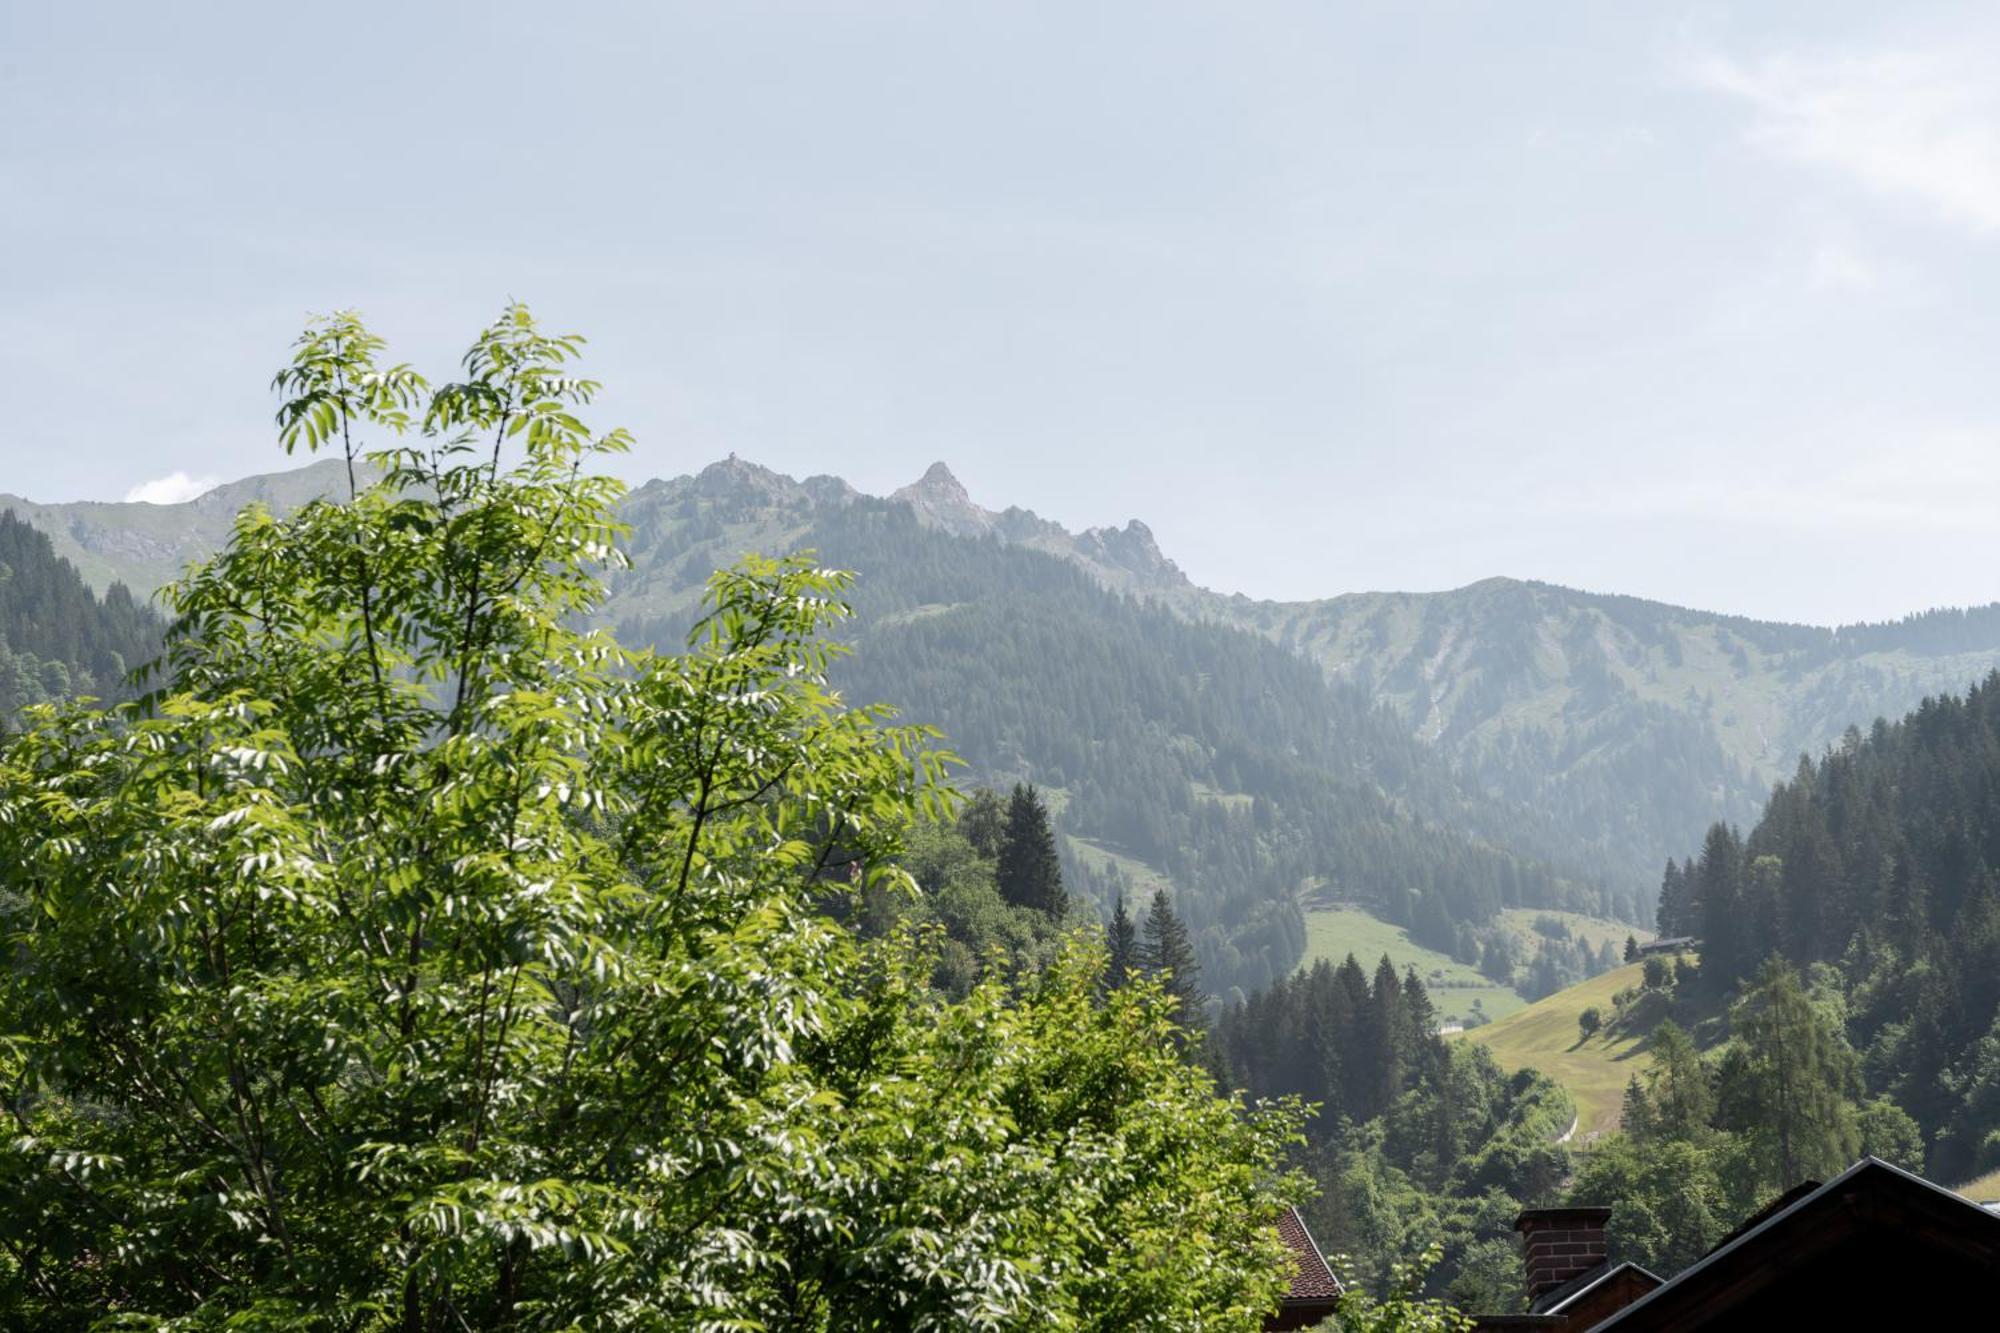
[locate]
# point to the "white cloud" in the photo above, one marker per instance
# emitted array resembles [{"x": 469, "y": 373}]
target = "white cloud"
[
  {"x": 1837, "y": 267},
  {"x": 172, "y": 489},
  {"x": 1923, "y": 126}
]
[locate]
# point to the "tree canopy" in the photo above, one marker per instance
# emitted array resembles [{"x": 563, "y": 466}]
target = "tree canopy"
[{"x": 414, "y": 959}]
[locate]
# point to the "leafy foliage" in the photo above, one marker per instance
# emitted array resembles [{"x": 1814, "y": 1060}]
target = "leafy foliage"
[
  {"x": 414, "y": 959},
  {"x": 1402, "y": 1309}
]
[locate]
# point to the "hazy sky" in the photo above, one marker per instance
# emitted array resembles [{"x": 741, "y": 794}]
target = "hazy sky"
[{"x": 1693, "y": 302}]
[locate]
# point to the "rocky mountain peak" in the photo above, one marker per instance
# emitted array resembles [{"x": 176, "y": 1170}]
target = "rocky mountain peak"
[
  {"x": 736, "y": 478},
  {"x": 941, "y": 499},
  {"x": 1133, "y": 549}
]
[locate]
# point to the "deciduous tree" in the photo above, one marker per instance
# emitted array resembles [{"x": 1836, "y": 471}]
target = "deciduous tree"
[{"x": 416, "y": 958}]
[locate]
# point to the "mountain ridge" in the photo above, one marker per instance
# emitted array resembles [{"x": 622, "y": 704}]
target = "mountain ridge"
[
  {"x": 1629, "y": 723},
  {"x": 938, "y": 496}
]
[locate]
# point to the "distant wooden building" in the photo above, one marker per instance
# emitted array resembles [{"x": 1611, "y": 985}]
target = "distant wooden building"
[
  {"x": 1315, "y": 1291},
  {"x": 1873, "y": 1248},
  {"x": 1669, "y": 947},
  {"x": 1674, "y": 945}
]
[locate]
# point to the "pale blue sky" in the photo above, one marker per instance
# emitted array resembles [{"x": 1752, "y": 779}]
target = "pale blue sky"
[{"x": 1694, "y": 302}]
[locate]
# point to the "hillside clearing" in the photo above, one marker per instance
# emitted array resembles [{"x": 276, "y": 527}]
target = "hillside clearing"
[
  {"x": 1334, "y": 932},
  {"x": 1545, "y": 1036},
  {"x": 1596, "y": 931},
  {"x": 1986, "y": 1189},
  {"x": 1140, "y": 879}
]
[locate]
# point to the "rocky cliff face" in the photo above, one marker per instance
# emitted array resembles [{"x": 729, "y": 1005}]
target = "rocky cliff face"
[
  {"x": 942, "y": 501},
  {"x": 1124, "y": 559}
]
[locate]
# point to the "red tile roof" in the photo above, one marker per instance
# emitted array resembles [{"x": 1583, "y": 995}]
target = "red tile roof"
[{"x": 1312, "y": 1280}]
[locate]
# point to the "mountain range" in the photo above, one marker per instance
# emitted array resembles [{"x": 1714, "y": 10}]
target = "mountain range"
[{"x": 1433, "y": 756}]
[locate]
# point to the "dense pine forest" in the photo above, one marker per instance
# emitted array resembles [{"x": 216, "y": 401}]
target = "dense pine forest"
[
  {"x": 1878, "y": 862},
  {"x": 57, "y": 637},
  {"x": 1419, "y": 1141}
]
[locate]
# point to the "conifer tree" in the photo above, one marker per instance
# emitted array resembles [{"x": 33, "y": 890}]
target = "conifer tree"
[
  {"x": 1718, "y": 900},
  {"x": 1636, "y": 1118},
  {"x": 1030, "y": 874},
  {"x": 1385, "y": 1016},
  {"x": 1794, "y": 1078},
  {"x": 1165, "y": 951},
  {"x": 1676, "y": 910},
  {"x": 1681, "y": 1091},
  {"x": 1121, "y": 945}
]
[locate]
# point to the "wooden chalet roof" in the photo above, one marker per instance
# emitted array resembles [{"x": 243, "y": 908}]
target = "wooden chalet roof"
[{"x": 1874, "y": 1247}]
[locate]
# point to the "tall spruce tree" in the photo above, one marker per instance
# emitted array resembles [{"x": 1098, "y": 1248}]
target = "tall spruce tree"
[
  {"x": 1718, "y": 905},
  {"x": 1165, "y": 951},
  {"x": 1121, "y": 945},
  {"x": 1030, "y": 874},
  {"x": 1676, "y": 915}
]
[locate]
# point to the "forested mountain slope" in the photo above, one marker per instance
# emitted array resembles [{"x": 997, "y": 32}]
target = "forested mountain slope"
[
  {"x": 1633, "y": 724},
  {"x": 1880, "y": 859},
  {"x": 1194, "y": 752},
  {"x": 1591, "y": 733},
  {"x": 1212, "y": 756},
  {"x": 57, "y": 637}
]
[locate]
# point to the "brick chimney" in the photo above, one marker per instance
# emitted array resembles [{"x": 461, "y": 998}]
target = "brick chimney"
[{"x": 1559, "y": 1244}]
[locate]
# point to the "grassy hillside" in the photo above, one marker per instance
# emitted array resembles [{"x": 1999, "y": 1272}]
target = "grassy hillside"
[
  {"x": 1334, "y": 932},
  {"x": 1594, "y": 930},
  {"x": 1139, "y": 878},
  {"x": 1986, "y": 1189},
  {"x": 1544, "y": 1036}
]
